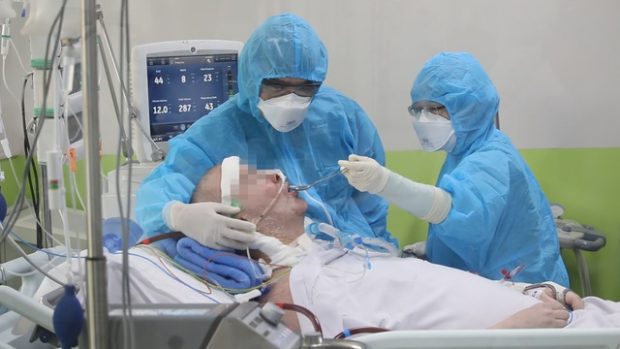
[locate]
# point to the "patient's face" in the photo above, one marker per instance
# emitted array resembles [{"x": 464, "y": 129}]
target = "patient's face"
[{"x": 258, "y": 188}]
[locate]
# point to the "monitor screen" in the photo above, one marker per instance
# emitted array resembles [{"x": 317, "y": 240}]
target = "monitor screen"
[
  {"x": 183, "y": 88},
  {"x": 175, "y": 83}
]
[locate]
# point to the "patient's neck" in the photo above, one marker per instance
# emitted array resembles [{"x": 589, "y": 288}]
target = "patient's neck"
[{"x": 285, "y": 228}]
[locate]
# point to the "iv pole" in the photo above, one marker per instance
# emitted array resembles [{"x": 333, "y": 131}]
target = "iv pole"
[{"x": 96, "y": 280}]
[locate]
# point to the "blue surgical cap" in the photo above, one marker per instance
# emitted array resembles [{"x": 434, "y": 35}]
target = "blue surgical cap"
[
  {"x": 283, "y": 46},
  {"x": 457, "y": 81}
]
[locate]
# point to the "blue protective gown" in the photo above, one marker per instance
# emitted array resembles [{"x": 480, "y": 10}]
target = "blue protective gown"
[
  {"x": 500, "y": 218},
  {"x": 334, "y": 127}
]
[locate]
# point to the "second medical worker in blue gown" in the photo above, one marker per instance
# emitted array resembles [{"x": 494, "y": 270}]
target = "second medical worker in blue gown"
[
  {"x": 487, "y": 212},
  {"x": 282, "y": 117}
]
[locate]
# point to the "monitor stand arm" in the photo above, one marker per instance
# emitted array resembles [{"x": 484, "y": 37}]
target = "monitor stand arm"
[{"x": 158, "y": 153}]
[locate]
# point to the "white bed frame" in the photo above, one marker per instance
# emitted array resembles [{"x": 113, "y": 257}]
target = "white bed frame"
[
  {"x": 505, "y": 339},
  {"x": 22, "y": 305}
]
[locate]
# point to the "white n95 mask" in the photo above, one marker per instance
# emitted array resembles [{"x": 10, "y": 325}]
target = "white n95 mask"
[
  {"x": 286, "y": 112},
  {"x": 434, "y": 132}
]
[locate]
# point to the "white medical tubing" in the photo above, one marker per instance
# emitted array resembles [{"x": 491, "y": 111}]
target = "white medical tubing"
[
  {"x": 19, "y": 58},
  {"x": 6, "y": 38}
]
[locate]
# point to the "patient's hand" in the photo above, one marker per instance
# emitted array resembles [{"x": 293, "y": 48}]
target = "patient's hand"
[
  {"x": 547, "y": 314},
  {"x": 574, "y": 301}
]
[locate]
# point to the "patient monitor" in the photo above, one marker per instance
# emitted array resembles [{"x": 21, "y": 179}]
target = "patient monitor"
[{"x": 175, "y": 83}]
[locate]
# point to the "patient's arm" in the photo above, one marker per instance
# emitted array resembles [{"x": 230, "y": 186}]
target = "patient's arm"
[
  {"x": 562, "y": 294},
  {"x": 281, "y": 293},
  {"x": 547, "y": 314}
]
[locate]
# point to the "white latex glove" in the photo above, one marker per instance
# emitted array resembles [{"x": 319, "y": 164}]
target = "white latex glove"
[
  {"x": 428, "y": 202},
  {"x": 209, "y": 224},
  {"x": 364, "y": 173}
]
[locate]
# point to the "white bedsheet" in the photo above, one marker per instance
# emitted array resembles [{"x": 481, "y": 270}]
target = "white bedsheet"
[
  {"x": 149, "y": 280},
  {"x": 408, "y": 294},
  {"x": 394, "y": 293}
]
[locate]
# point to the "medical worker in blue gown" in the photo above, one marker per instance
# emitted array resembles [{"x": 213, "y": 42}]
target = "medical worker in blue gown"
[
  {"x": 487, "y": 213},
  {"x": 283, "y": 117}
]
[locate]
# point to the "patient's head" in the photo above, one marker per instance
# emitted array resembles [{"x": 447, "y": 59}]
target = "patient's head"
[{"x": 256, "y": 190}]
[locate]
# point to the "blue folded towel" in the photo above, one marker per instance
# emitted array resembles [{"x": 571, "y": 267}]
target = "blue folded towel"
[{"x": 223, "y": 268}]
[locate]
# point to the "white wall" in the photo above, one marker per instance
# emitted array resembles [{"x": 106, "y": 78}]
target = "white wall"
[{"x": 556, "y": 63}]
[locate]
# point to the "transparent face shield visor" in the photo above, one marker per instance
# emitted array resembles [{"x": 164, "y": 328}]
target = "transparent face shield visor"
[{"x": 419, "y": 109}]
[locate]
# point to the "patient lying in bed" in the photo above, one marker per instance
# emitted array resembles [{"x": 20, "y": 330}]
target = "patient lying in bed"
[
  {"x": 353, "y": 287},
  {"x": 347, "y": 288}
]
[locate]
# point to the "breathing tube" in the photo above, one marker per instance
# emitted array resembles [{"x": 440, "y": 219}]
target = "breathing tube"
[{"x": 349, "y": 241}]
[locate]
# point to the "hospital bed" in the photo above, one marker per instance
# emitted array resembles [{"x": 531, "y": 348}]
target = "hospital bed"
[
  {"x": 217, "y": 323},
  {"x": 505, "y": 339}
]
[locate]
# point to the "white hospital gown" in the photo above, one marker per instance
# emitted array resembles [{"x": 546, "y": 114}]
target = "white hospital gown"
[{"x": 407, "y": 294}]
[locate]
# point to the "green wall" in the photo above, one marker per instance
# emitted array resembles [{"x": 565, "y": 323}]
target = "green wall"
[
  {"x": 584, "y": 181},
  {"x": 10, "y": 188}
]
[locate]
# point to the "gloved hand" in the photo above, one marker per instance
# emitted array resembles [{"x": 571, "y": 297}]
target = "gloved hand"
[
  {"x": 364, "y": 173},
  {"x": 428, "y": 202},
  {"x": 207, "y": 223}
]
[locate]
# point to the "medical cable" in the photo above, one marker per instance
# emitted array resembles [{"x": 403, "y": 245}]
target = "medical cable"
[
  {"x": 75, "y": 189},
  {"x": 58, "y": 20},
  {"x": 36, "y": 217},
  {"x": 351, "y": 331},
  {"x": 27, "y": 259},
  {"x": 306, "y": 312},
  {"x": 71, "y": 113},
  {"x": 198, "y": 278},
  {"x": 34, "y": 188},
  {"x": 34, "y": 247},
  {"x": 50, "y": 262},
  {"x": 55, "y": 164},
  {"x": 171, "y": 275},
  {"x": 19, "y": 58},
  {"x": 5, "y": 83},
  {"x": 277, "y": 274}
]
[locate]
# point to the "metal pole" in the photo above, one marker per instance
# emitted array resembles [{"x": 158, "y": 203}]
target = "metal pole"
[{"x": 96, "y": 285}]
